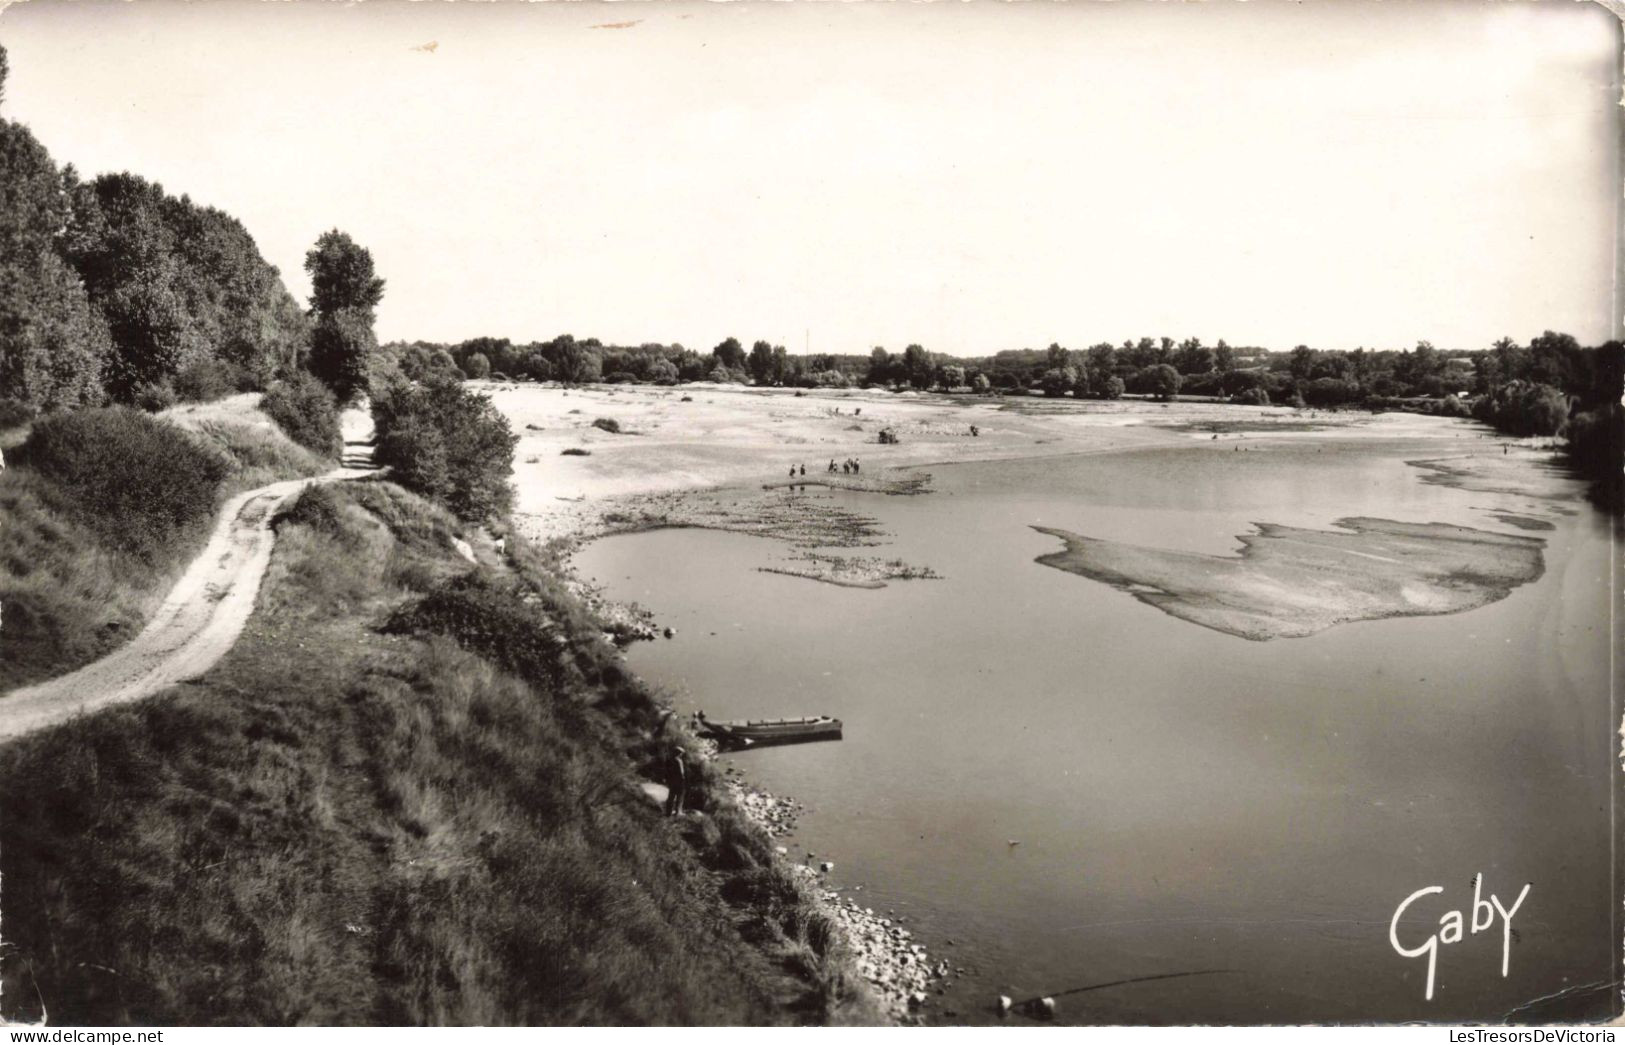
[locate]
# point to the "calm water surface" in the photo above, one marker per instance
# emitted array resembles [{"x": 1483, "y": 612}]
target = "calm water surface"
[{"x": 1184, "y": 800}]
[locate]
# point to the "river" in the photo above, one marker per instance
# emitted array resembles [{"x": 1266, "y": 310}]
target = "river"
[{"x": 1076, "y": 788}]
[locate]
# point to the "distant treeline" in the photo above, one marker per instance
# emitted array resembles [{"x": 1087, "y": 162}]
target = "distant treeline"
[{"x": 1552, "y": 386}]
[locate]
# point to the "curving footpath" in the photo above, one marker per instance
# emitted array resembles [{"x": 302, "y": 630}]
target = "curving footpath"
[{"x": 201, "y": 617}]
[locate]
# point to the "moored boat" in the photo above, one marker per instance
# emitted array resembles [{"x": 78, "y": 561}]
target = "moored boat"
[{"x": 765, "y": 731}]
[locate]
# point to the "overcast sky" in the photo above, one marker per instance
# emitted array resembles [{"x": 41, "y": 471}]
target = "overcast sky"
[{"x": 969, "y": 176}]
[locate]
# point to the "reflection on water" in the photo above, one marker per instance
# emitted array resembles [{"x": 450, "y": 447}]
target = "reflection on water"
[{"x": 1183, "y": 799}]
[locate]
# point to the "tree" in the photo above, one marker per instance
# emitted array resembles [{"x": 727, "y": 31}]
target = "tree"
[
  {"x": 1111, "y": 388},
  {"x": 1193, "y": 357},
  {"x": 1058, "y": 381},
  {"x": 761, "y": 362},
  {"x": 341, "y": 275},
  {"x": 980, "y": 384},
  {"x": 477, "y": 366},
  {"x": 917, "y": 366},
  {"x": 341, "y": 347},
  {"x": 344, "y": 292},
  {"x": 573, "y": 362},
  {"x": 1101, "y": 360},
  {"x": 730, "y": 353},
  {"x": 1303, "y": 362},
  {"x": 880, "y": 366},
  {"x": 118, "y": 242},
  {"x": 1163, "y": 381},
  {"x": 52, "y": 341}
]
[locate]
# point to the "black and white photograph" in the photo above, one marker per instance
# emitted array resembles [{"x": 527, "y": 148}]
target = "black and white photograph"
[{"x": 984, "y": 514}]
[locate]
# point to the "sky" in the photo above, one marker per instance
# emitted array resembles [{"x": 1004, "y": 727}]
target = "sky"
[{"x": 834, "y": 176}]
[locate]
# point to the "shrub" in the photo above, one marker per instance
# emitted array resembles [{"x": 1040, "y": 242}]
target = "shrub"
[
  {"x": 14, "y": 413},
  {"x": 575, "y": 451},
  {"x": 139, "y": 482},
  {"x": 1254, "y": 396},
  {"x": 1524, "y": 408},
  {"x": 154, "y": 396},
  {"x": 317, "y": 507},
  {"x": 449, "y": 444},
  {"x": 1451, "y": 406},
  {"x": 608, "y": 424},
  {"x": 307, "y": 412},
  {"x": 1331, "y": 391},
  {"x": 207, "y": 380}
]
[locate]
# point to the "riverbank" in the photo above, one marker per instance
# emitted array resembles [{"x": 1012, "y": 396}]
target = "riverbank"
[{"x": 411, "y": 793}]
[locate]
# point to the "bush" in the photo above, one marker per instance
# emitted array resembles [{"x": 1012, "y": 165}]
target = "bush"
[
  {"x": 1524, "y": 408},
  {"x": 1331, "y": 391},
  {"x": 1451, "y": 406},
  {"x": 608, "y": 424},
  {"x": 575, "y": 451},
  {"x": 449, "y": 444},
  {"x": 207, "y": 380},
  {"x": 14, "y": 413},
  {"x": 307, "y": 412},
  {"x": 154, "y": 396},
  {"x": 1254, "y": 396},
  {"x": 139, "y": 482}
]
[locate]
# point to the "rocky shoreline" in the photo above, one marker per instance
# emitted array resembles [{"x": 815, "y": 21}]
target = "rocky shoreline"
[{"x": 884, "y": 953}]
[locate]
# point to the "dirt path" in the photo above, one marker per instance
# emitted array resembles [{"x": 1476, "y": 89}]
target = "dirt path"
[{"x": 202, "y": 615}]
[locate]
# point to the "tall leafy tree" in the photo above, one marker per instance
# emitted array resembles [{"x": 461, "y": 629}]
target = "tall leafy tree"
[
  {"x": 917, "y": 366},
  {"x": 344, "y": 292},
  {"x": 124, "y": 251},
  {"x": 52, "y": 341},
  {"x": 761, "y": 362},
  {"x": 730, "y": 353}
]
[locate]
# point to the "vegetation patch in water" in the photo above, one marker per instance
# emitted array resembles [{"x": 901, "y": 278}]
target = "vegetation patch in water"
[{"x": 864, "y": 572}]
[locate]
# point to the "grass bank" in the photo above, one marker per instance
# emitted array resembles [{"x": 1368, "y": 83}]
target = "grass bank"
[{"x": 409, "y": 795}]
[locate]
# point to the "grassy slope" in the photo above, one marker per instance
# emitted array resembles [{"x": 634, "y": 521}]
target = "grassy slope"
[
  {"x": 348, "y": 823},
  {"x": 69, "y": 598}
]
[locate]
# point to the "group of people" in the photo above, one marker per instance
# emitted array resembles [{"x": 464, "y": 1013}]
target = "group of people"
[{"x": 850, "y": 466}]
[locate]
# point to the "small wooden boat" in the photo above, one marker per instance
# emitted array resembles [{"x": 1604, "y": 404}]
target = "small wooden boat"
[{"x": 761, "y": 732}]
